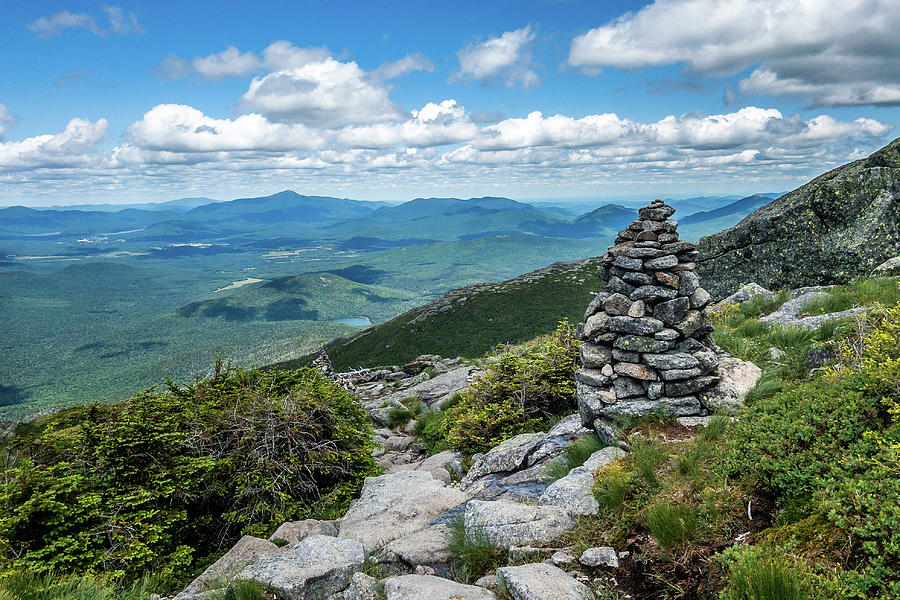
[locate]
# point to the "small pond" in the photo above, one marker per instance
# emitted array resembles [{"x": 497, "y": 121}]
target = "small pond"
[{"x": 358, "y": 321}]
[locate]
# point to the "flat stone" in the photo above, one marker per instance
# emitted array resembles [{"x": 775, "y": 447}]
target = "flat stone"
[
  {"x": 626, "y": 387},
  {"x": 309, "y": 570},
  {"x": 672, "y": 312},
  {"x": 646, "y": 236},
  {"x": 602, "y": 556},
  {"x": 615, "y": 284},
  {"x": 592, "y": 377},
  {"x": 636, "y": 326},
  {"x": 663, "y": 262},
  {"x": 573, "y": 493},
  {"x": 660, "y": 213},
  {"x": 636, "y": 370},
  {"x": 693, "y": 421},
  {"x": 438, "y": 464},
  {"x": 747, "y": 292},
  {"x": 666, "y": 335},
  {"x": 506, "y": 524},
  {"x": 603, "y": 457},
  {"x": 594, "y": 356},
  {"x": 597, "y": 323},
  {"x": 439, "y": 388},
  {"x": 688, "y": 282},
  {"x": 296, "y": 531},
  {"x": 637, "y": 309},
  {"x": 430, "y": 587},
  {"x": 737, "y": 378},
  {"x": 616, "y": 304},
  {"x": 684, "y": 266},
  {"x": 643, "y": 252},
  {"x": 561, "y": 559},
  {"x": 669, "y": 279},
  {"x": 395, "y": 505},
  {"x": 671, "y": 360},
  {"x": 596, "y": 304},
  {"x": 700, "y": 298},
  {"x": 690, "y": 386},
  {"x": 666, "y": 238},
  {"x": 625, "y": 356},
  {"x": 509, "y": 455},
  {"x": 637, "y": 343},
  {"x": 679, "y": 247},
  {"x": 676, "y": 374},
  {"x": 637, "y": 278},
  {"x": 669, "y": 407},
  {"x": 247, "y": 550},
  {"x": 631, "y": 264},
  {"x": 540, "y": 581},
  {"x": 652, "y": 292}
]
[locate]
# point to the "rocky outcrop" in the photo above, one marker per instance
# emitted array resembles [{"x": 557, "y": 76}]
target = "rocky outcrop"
[
  {"x": 313, "y": 569},
  {"x": 429, "y": 587},
  {"x": 840, "y": 225},
  {"x": 246, "y": 551},
  {"x": 646, "y": 341},
  {"x": 504, "y": 524},
  {"x": 540, "y": 581},
  {"x": 395, "y": 505}
]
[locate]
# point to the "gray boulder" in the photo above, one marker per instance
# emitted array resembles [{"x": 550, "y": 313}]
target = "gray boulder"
[
  {"x": 428, "y": 547},
  {"x": 247, "y": 550},
  {"x": 362, "y": 587},
  {"x": 747, "y": 292},
  {"x": 297, "y": 531},
  {"x": 313, "y": 569},
  {"x": 429, "y": 587},
  {"x": 394, "y": 505},
  {"x": 540, "y": 581},
  {"x": 573, "y": 493},
  {"x": 439, "y": 388},
  {"x": 738, "y": 377},
  {"x": 509, "y": 455},
  {"x": 504, "y": 524},
  {"x": 604, "y": 556}
]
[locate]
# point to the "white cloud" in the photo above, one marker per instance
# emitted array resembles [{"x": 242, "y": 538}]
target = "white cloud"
[
  {"x": 55, "y": 24},
  {"x": 180, "y": 128},
  {"x": 328, "y": 93},
  {"x": 172, "y": 67},
  {"x": 282, "y": 55},
  {"x": 500, "y": 59},
  {"x": 71, "y": 147},
  {"x": 830, "y": 52},
  {"x": 123, "y": 23},
  {"x": 120, "y": 23},
  {"x": 230, "y": 62},
  {"x": 408, "y": 64},
  {"x": 433, "y": 125}
]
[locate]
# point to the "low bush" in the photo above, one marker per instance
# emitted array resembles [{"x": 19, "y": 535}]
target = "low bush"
[
  {"x": 166, "y": 479},
  {"x": 527, "y": 384}
]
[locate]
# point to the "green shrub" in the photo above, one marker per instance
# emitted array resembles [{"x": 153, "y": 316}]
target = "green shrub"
[
  {"x": 524, "y": 386},
  {"x": 167, "y": 478},
  {"x": 671, "y": 524},
  {"x": 574, "y": 456},
  {"x": 429, "y": 427},
  {"x": 473, "y": 554},
  {"x": 755, "y": 576},
  {"x": 397, "y": 416},
  {"x": 27, "y": 585}
]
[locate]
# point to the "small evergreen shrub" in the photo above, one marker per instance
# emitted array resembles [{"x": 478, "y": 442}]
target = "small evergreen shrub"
[
  {"x": 527, "y": 384},
  {"x": 168, "y": 478}
]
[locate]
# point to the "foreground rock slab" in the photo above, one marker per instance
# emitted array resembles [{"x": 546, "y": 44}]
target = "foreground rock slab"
[
  {"x": 249, "y": 549},
  {"x": 428, "y": 547},
  {"x": 506, "y": 524},
  {"x": 541, "y": 581},
  {"x": 737, "y": 378},
  {"x": 313, "y": 569},
  {"x": 573, "y": 493},
  {"x": 395, "y": 505},
  {"x": 429, "y": 587}
]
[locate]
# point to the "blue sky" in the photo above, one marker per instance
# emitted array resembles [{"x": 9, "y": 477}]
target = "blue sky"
[{"x": 393, "y": 100}]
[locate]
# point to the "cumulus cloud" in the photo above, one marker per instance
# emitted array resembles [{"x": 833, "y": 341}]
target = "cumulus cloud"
[
  {"x": 73, "y": 146},
  {"x": 180, "y": 128},
  {"x": 328, "y": 93},
  {"x": 436, "y": 124},
  {"x": 829, "y": 52},
  {"x": 230, "y": 62},
  {"x": 505, "y": 59},
  {"x": 55, "y": 24},
  {"x": 120, "y": 23},
  {"x": 283, "y": 55}
]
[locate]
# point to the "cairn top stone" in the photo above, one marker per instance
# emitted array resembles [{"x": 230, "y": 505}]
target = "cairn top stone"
[{"x": 646, "y": 340}]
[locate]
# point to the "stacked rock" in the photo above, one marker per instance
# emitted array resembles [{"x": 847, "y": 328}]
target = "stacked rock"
[{"x": 646, "y": 342}]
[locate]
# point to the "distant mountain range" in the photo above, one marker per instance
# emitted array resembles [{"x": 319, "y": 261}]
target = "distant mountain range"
[{"x": 292, "y": 216}]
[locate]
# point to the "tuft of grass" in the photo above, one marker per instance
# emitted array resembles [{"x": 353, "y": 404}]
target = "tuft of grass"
[
  {"x": 754, "y": 577},
  {"x": 671, "y": 524},
  {"x": 647, "y": 455},
  {"x": 23, "y": 585},
  {"x": 474, "y": 556},
  {"x": 714, "y": 429},
  {"x": 768, "y": 385},
  {"x": 574, "y": 456},
  {"x": 612, "y": 487},
  {"x": 244, "y": 589},
  {"x": 861, "y": 292},
  {"x": 398, "y": 417},
  {"x": 280, "y": 542}
]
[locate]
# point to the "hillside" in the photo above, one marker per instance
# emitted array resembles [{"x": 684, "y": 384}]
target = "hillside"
[
  {"x": 840, "y": 225},
  {"x": 469, "y": 321}
]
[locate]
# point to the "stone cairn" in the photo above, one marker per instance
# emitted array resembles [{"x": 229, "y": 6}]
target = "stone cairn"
[{"x": 646, "y": 345}]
